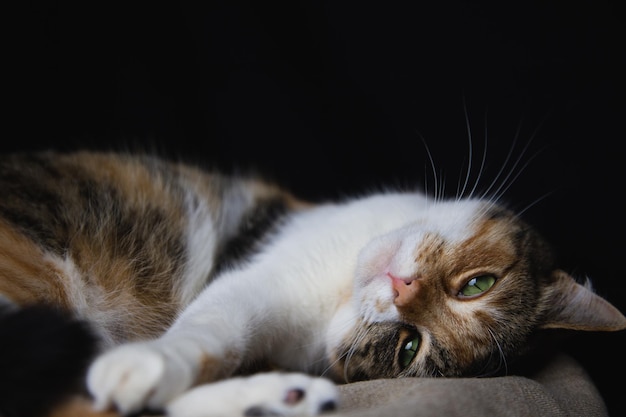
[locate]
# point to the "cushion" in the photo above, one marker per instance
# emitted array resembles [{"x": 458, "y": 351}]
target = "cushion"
[{"x": 562, "y": 388}]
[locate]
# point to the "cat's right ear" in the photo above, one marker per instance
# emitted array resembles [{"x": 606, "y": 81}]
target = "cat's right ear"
[{"x": 576, "y": 307}]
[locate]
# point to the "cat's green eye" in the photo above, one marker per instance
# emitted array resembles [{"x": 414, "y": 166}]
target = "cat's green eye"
[
  {"x": 477, "y": 285},
  {"x": 408, "y": 350}
]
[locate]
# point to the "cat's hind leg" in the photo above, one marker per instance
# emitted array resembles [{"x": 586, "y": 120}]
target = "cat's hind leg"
[{"x": 264, "y": 394}]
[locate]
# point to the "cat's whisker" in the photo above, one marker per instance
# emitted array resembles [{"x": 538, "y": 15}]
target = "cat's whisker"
[
  {"x": 361, "y": 334},
  {"x": 536, "y": 201},
  {"x": 442, "y": 188},
  {"x": 337, "y": 360},
  {"x": 482, "y": 162},
  {"x": 434, "y": 171},
  {"x": 509, "y": 181},
  {"x": 470, "y": 152},
  {"x": 320, "y": 363},
  {"x": 498, "y": 177},
  {"x": 513, "y": 173},
  {"x": 502, "y": 357},
  {"x": 333, "y": 363},
  {"x": 327, "y": 369},
  {"x": 502, "y": 182},
  {"x": 345, "y": 326}
]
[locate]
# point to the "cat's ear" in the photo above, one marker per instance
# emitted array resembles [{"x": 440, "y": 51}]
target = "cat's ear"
[{"x": 575, "y": 306}]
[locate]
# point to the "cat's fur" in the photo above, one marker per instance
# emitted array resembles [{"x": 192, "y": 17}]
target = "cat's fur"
[{"x": 200, "y": 276}]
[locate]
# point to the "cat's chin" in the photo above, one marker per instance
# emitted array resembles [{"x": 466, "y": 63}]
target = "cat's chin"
[
  {"x": 350, "y": 317},
  {"x": 342, "y": 324},
  {"x": 348, "y": 340}
]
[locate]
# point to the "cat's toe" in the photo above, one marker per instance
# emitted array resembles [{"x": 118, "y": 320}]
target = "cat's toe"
[
  {"x": 128, "y": 379},
  {"x": 323, "y": 396},
  {"x": 300, "y": 395},
  {"x": 268, "y": 394}
]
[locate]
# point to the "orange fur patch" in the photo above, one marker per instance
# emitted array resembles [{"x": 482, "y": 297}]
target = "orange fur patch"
[
  {"x": 81, "y": 407},
  {"x": 25, "y": 278}
]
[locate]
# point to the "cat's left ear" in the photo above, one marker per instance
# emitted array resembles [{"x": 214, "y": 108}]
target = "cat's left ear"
[{"x": 576, "y": 307}]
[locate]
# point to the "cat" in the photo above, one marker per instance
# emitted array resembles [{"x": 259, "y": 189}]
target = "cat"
[{"x": 199, "y": 293}]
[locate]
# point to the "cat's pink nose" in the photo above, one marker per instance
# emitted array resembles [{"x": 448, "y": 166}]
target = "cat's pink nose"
[{"x": 404, "y": 290}]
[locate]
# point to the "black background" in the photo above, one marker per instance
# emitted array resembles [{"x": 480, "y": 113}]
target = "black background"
[{"x": 333, "y": 98}]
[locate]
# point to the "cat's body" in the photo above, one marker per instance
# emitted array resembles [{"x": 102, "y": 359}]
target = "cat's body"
[{"x": 230, "y": 274}]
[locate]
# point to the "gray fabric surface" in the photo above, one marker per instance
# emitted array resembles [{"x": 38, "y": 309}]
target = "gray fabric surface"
[{"x": 562, "y": 388}]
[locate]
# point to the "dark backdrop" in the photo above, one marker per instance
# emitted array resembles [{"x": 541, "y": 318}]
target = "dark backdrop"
[{"x": 334, "y": 98}]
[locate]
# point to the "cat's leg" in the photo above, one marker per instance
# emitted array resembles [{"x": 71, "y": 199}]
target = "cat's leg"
[
  {"x": 147, "y": 375},
  {"x": 266, "y": 394},
  {"x": 227, "y": 326}
]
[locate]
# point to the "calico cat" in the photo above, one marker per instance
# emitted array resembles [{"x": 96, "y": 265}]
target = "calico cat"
[{"x": 185, "y": 277}]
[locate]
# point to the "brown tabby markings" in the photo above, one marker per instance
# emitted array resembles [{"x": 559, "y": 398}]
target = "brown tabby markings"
[
  {"x": 24, "y": 275},
  {"x": 105, "y": 234},
  {"x": 430, "y": 250}
]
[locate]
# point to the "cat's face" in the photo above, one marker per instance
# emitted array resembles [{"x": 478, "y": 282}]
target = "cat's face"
[{"x": 453, "y": 293}]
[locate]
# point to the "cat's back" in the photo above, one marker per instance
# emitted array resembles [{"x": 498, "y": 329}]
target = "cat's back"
[{"x": 104, "y": 233}]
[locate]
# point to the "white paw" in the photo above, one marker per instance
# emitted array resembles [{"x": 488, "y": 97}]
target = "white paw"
[
  {"x": 137, "y": 376},
  {"x": 265, "y": 394}
]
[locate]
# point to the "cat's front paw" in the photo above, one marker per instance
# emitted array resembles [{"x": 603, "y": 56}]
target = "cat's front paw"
[
  {"x": 137, "y": 376},
  {"x": 266, "y": 394}
]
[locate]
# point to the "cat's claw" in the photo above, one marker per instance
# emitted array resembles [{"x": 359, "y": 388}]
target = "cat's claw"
[
  {"x": 134, "y": 377},
  {"x": 266, "y": 394}
]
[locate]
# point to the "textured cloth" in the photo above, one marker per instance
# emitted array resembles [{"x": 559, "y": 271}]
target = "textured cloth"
[{"x": 562, "y": 388}]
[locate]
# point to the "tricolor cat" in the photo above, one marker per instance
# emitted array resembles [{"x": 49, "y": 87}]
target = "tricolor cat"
[{"x": 189, "y": 279}]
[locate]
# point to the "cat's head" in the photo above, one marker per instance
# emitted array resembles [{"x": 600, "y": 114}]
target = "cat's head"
[{"x": 458, "y": 292}]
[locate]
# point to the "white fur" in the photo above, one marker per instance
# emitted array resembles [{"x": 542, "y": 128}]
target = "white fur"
[
  {"x": 292, "y": 291},
  {"x": 201, "y": 240},
  {"x": 266, "y": 391}
]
